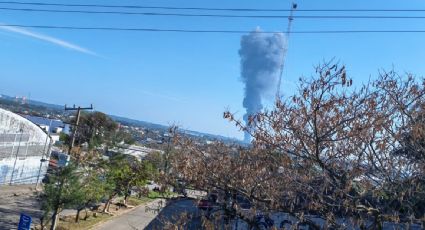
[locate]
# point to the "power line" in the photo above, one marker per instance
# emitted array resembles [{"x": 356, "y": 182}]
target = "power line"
[
  {"x": 208, "y": 31},
  {"x": 141, "y": 13},
  {"x": 213, "y": 15},
  {"x": 206, "y": 8},
  {"x": 129, "y": 29}
]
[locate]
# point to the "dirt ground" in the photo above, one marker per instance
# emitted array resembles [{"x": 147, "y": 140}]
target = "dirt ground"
[
  {"x": 15, "y": 200},
  {"x": 18, "y": 199}
]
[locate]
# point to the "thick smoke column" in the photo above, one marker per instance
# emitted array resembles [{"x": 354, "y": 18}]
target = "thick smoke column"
[{"x": 261, "y": 62}]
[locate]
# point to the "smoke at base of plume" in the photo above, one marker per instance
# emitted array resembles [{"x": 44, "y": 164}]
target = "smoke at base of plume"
[{"x": 261, "y": 59}]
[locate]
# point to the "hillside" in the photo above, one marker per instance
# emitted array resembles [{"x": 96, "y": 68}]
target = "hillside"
[{"x": 43, "y": 109}]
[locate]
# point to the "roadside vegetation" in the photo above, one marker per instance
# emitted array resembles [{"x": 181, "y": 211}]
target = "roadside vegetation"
[
  {"x": 350, "y": 155},
  {"x": 97, "y": 181},
  {"x": 90, "y": 219}
]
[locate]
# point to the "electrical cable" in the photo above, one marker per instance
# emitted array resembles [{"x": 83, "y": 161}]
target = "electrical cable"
[
  {"x": 206, "y": 8},
  {"x": 213, "y": 15},
  {"x": 207, "y": 31}
]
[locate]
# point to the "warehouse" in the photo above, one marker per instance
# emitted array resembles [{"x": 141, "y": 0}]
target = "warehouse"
[{"x": 24, "y": 150}]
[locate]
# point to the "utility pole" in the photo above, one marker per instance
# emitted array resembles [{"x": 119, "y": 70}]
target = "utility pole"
[{"x": 78, "y": 109}]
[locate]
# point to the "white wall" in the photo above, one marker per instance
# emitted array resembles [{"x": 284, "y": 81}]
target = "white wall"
[
  {"x": 14, "y": 123},
  {"x": 26, "y": 170},
  {"x": 27, "y": 144}
]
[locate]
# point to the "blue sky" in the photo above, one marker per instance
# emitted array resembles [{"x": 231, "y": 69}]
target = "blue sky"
[{"x": 187, "y": 79}]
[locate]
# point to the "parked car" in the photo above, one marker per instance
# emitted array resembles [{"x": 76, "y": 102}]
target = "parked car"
[
  {"x": 206, "y": 204},
  {"x": 264, "y": 221},
  {"x": 209, "y": 202},
  {"x": 243, "y": 202}
]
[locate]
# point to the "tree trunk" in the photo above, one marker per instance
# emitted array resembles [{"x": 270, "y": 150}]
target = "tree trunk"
[
  {"x": 126, "y": 198},
  {"x": 109, "y": 205},
  {"x": 42, "y": 224},
  {"x": 58, "y": 206},
  {"x": 106, "y": 205},
  {"x": 77, "y": 217},
  {"x": 87, "y": 215},
  {"x": 55, "y": 218}
]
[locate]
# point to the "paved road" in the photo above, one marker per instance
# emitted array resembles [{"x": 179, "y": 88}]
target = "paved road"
[
  {"x": 174, "y": 213},
  {"x": 137, "y": 218},
  {"x": 152, "y": 217}
]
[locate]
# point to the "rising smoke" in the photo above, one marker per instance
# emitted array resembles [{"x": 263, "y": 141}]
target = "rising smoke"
[{"x": 261, "y": 62}]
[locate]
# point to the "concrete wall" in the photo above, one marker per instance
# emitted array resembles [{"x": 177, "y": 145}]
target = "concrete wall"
[
  {"x": 13, "y": 123},
  {"x": 25, "y": 171},
  {"x": 22, "y": 147}
]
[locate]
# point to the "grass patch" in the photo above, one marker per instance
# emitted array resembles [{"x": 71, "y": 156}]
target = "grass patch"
[
  {"x": 69, "y": 223},
  {"x": 155, "y": 195},
  {"x": 134, "y": 201}
]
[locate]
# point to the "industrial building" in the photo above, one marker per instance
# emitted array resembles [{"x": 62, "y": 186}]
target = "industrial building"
[{"x": 24, "y": 150}]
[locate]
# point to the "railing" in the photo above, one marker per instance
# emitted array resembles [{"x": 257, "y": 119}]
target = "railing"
[
  {"x": 21, "y": 159},
  {"x": 13, "y": 137}
]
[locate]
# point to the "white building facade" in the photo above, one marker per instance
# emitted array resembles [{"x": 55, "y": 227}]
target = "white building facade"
[{"x": 24, "y": 150}]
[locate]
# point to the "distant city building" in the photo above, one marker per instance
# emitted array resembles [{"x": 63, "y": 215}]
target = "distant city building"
[
  {"x": 55, "y": 137},
  {"x": 24, "y": 150},
  {"x": 54, "y": 126},
  {"x": 58, "y": 130},
  {"x": 139, "y": 152}
]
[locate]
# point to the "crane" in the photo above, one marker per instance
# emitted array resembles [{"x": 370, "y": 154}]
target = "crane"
[{"x": 285, "y": 47}]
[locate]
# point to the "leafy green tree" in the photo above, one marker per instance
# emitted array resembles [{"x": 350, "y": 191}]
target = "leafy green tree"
[
  {"x": 98, "y": 128},
  {"x": 64, "y": 138},
  {"x": 61, "y": 192},
  {"x": 157, "y": 160},
  {"x": 93, "y": 190},
  {"x": 120, "y": 137},
  {"x": 95, "y": 129},
  {"x": 140, "y": 172},
  {"x": 122, "y": 173}
]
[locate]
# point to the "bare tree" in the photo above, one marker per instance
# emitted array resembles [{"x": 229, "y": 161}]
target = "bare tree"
[{"x": 330, "y": 150}]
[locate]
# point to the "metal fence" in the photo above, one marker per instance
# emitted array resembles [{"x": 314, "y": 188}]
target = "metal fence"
[
  {"x": 18, "y": 145},
  {"x": 21, "y": 161},
  {"x": 13, "y": 137}
]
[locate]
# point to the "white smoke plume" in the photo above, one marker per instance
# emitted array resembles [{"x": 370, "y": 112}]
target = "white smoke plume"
[{"x": 261, "y": 62}]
